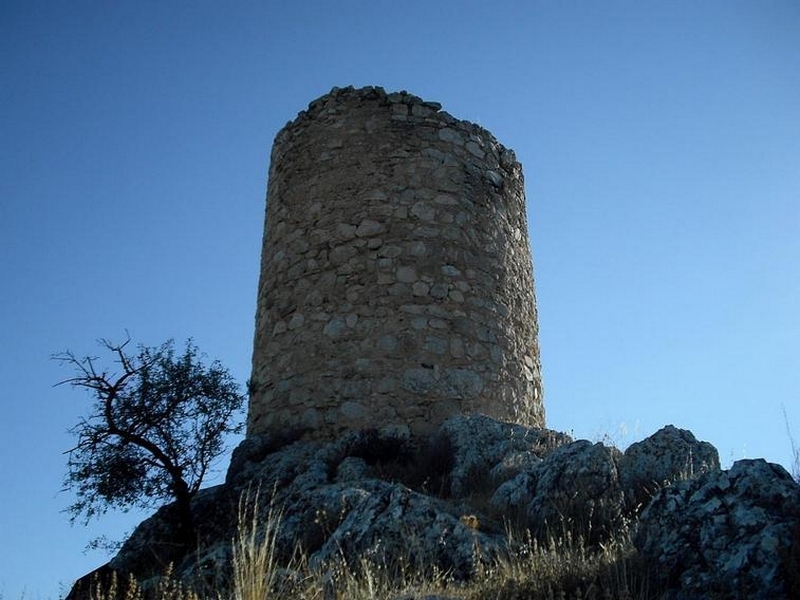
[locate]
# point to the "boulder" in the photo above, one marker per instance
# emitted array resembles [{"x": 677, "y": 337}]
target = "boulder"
[
  {"x": 578, "y": 490},
  {"x": 389, "y": 525},
  {"x": 726, "y": 534},
  {"x": 669, "y": 455},
  {"x": 594, "y": 490},
  {"x": 483, "y": 446},
  {"x": 573, "y": 489}
]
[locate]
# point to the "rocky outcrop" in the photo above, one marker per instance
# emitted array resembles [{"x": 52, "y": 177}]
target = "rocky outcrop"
[
  {"x": 446, "y": 502},
  {"x": 595, "y": 490},
  {"x": 482, "y": 446},
  {"x": 576, "y": 488},
  {"x": 670, "y": 454},
  {"x": 726, "y": 534}
]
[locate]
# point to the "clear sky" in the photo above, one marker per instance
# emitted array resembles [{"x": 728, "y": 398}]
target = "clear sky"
[{"x": 661, "y": 148}]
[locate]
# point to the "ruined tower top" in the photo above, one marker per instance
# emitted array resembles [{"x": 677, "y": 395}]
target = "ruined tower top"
[{"x": 396, "y": 282}]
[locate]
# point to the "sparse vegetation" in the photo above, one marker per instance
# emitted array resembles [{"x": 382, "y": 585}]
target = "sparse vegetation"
[
  {"x": 795, "y": 466},
  {"x": 563, "y": 567},
  {"x": 578, "y": 546},
  {"x": 256, "y": 569}
]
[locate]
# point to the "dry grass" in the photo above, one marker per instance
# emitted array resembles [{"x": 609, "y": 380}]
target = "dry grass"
[
  {"x": 565, "y": 568},
  {"x": 795, "y": 466},
  {"x": 255, "y": 564},
  {"x": 561, "y": 568},
  {"x": 167, "y": 589}
]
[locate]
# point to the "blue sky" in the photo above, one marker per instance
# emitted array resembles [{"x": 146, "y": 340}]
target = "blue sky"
[{"x": 661, "y": 148}]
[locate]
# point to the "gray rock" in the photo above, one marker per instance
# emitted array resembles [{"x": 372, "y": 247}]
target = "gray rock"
[
  {"x": 727, "y": 534},
  {"x": 388, "y": 524},
  {"x": 451, "y": 136},
  {"x": 514, "y": 464},
  {"x": 481, "y": 443},
  {"x": 669, "y": 455},
  {"x": 419, "y": 380},
  {"x": 151, "y": 546},
  {"x": 495, "y": 178},
  {"x": 508, "y": 160},
  {"x": 368, "y": 227},
  {"x": 578, "y": 490},
  {"x": 252, "y": 450},
  {"x": 352, "y": 469},
  {"x": 574, "y": 488},
  {"x": 370, "y": 496},
  {"x": 513, "y": 496},
  {"x": 334, "y": 327},
  {"x": 592, "y": 489},
  {"x": 462, "y": 383}
]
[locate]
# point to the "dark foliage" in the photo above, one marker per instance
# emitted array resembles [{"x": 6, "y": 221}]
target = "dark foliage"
[
  {"x": 376, "y": 448},
  {"x": 158, "y": 422},
  {"x": 422, "y": 464}
]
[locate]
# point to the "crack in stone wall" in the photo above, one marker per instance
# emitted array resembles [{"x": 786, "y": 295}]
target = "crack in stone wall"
[{"x": 396, "y": 281}]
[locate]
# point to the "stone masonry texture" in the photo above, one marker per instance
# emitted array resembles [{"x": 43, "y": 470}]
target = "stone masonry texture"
[{"x": 396, "y": 283}]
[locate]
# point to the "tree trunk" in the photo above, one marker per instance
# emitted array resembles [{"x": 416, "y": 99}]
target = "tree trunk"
[{"x": 187, "y": 534}]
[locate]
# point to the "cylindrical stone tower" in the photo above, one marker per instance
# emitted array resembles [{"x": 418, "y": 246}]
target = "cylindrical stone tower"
[{"x": 396, "y": 280}]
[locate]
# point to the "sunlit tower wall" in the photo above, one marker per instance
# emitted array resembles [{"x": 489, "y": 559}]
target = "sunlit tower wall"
[{"x": 396, "y": 285}]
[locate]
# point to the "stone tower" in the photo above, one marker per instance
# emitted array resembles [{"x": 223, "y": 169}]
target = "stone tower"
[{"x": 396, "y": 281}]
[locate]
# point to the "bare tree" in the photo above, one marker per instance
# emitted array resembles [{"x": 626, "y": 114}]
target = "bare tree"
[{"x": 157, "y": 424}]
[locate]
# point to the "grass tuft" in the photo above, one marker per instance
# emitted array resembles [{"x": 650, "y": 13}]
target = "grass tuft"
[
  {"x": 564, "y": 566},
  {"x": 255, "y": 564}
]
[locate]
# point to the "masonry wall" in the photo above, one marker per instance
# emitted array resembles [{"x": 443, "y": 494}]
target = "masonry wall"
[{"x": 396, "y": 281}]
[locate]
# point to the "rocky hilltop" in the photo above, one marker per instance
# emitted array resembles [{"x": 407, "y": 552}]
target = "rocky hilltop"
[
  {"x": 396, "y": 309},
  {"x": 458, "y": 501}
]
